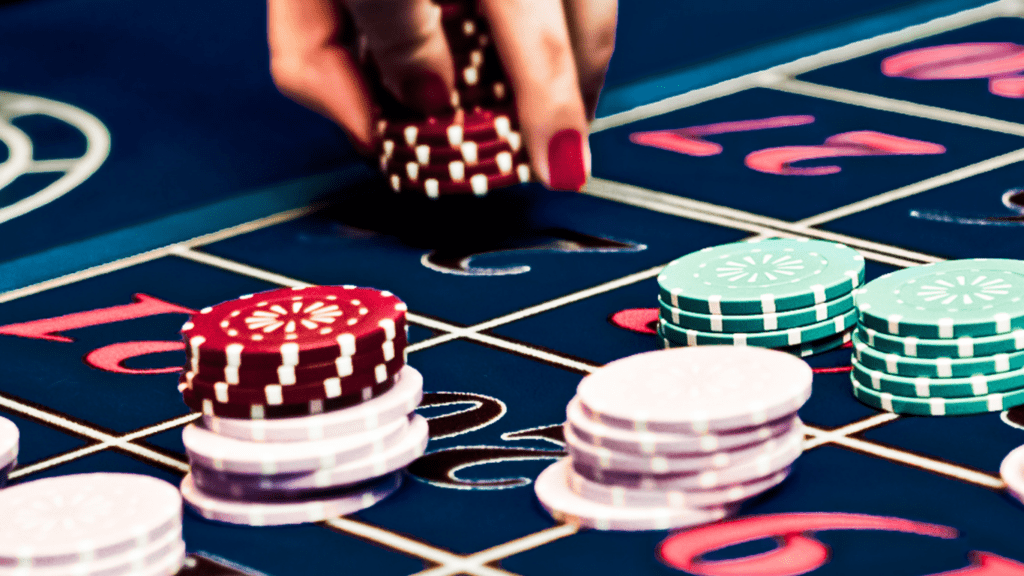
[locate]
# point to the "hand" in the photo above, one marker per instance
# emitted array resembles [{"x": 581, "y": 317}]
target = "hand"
[{"x": 555, "y": 53}]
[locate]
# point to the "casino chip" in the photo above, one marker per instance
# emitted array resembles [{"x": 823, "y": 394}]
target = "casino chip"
[
  {"x": 294, "y": 326},
  {"x": 695, "y": 390},
  {"x": 607, "y": 459},
  {"x": 277, "y": 393},
  {"x": 284, "y": 512},
  {"x": 552, "y": 488},
  {"x": 9, "y": 439},
  {"x": 942, "y": 339},
  {"x": 339, "y": 367},
  {"x": 381, "y": 410},
  {"x": 621, "y": 440},
  {"x": 995, "y": 402},
  {"x": 667, "y": 437},
  {"x": 935, "y": 367},
  {"x": 962, "y": 347},
  {"x": 926, "y": 387},
  {"x": 70, "y": 524},
  {"x": 471, "y": 150},
  {"x": 312, "y": 414},
  {"x": 765, "y": 465},
  {"x": 210, "y": 407},
  {"x": 623, "y": 496},
  {"x": 781, "y": 338},
  {"x": 761, "y": 277},
  {"x": 756, "y": 322},
  {"x": 980, "y": 297},
  {"x": 1012, "y": 472},
  {"x": 348, "y": 473},
  {"x": 212, "y": 451}
]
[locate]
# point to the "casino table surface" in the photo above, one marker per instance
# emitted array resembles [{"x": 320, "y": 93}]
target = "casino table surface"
[{"x": 148, "y": 169}]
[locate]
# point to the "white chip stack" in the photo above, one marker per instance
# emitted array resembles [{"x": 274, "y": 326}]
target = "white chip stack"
[
  {"x": 9, "y": 438},
  {"x": 307, "y": 468},
  {"x": 91, "y": 525},
  {"x": 677, "y": 438}
]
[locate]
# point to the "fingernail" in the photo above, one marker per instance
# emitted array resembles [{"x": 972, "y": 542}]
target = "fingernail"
[
  {"x": 565, "y": 161},
  {"x": 426, "y": 91}
]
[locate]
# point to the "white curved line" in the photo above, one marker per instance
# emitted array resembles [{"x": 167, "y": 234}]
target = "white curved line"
[
  {"x": 19, "y": 147},
  {"x": 97, "y": 148}
]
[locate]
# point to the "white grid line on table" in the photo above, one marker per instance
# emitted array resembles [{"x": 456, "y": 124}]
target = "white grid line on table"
[
  {"x": 155, "y": 254},
  {"x": 907, "y": 108},
  {"x": 502, "y": 551},
  {"x": 59, "y": 421},
  {"x": 925, "y": 185},
  {"x": 825, "y": 436},
  {"x": 113, "y": 442},
  {"x": 802, "y": 65},
  {"x": 921, "y": 462},
  {"x": 763, "y": 226}
]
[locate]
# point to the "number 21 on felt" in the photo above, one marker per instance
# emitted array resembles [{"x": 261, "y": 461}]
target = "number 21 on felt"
[{"x": 780, "y": 160}]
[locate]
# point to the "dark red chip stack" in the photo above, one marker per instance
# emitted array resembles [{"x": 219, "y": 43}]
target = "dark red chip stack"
[
  {"x": 293, "y": 352},
  {"x": 471, "y": 150}
]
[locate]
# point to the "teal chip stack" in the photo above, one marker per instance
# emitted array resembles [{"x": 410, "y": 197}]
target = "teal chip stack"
[
  {"x": 942, "y": 339},
  {"x": 789, "y": 294}
]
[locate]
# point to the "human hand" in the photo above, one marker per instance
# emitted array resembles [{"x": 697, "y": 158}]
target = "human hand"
[{"x": 555, "y": 54}]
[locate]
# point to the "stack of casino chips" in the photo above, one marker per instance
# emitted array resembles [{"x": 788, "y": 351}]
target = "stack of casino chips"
[
  {"x": 307, "y": 405},
  {"x": 793, "y": 295},
  {"x": 942, "y": 339},
  {"x": 9, "y": 441},
  {"x": 677, "y": 438},
  {"x": 472, "y": 149},
  {"x": 91, "y": 525}
]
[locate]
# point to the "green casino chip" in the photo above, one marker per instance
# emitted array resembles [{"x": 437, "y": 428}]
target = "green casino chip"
[
  {"x": 802, "y": 351},
  {"x": 761, "y": 277},
  {"x": 980, "y": 297},
  {"x": 936, "y": 406},
  {"x": 935, "y": 367},
  {"x": 776, "y": 339},
  {"x": 924, "y": 387},
  {"x": 756, "y": 322},
  {"x": 962, "y": 347}
]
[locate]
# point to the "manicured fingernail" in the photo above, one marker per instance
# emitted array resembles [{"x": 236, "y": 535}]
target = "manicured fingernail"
[
  {"x": 426, "y": 91},
  {"x": 565, "y": 161}
]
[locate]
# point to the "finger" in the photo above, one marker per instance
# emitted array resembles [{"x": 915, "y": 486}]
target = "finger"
[
  {"x": 407, "y": 41},
  {"x": 592, "y": 30},
  {"x": 308, "y": 66},
  {"x": 533, "y": 42}
]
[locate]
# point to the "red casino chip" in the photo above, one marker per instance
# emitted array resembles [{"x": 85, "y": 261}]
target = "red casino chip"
[
  {"x": 249, "y": 391},
  {"x": 457, "y": 170},
  {"x": 342, "y": 366},
  {"x": 294, "y": 326},
  {"x": 470, "y": 152},
  {"x": 272, "y": 412},
  {"x": 478, "y": 184},
  {"x": 452, "y": 130}
]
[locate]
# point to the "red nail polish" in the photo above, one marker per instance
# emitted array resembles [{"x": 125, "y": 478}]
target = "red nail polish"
[
  {"x": 426, "y": 91},
  {"x": 565, "y": 161}
]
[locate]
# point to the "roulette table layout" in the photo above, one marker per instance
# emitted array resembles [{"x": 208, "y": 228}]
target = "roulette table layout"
[{"x": 149, "y": 170}]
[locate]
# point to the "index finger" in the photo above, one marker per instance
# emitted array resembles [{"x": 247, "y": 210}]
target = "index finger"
[{"x": 533, "y": 41}]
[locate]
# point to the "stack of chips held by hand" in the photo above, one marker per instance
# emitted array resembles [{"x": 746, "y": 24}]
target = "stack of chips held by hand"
[
  {"x": 677, "y": 438},
  {"x": 793, "y": 295},
  {"x": 307, "y": 405},
  {"x": 9, "y": 442},
  {"x": 942, "y": 339},
  {"x": 474, "y": 147},
  {"x": 91, "y": 525}
]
